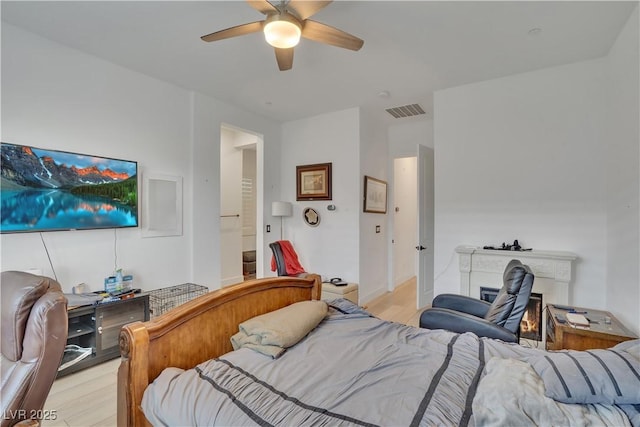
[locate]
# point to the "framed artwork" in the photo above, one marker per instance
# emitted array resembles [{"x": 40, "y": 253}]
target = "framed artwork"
[
  {"x": 375, "y": 195},
  {"x": 313, "y": 182}
]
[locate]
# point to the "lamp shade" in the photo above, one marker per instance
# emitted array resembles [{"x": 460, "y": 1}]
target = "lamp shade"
[{"x": 281, "y": 209}]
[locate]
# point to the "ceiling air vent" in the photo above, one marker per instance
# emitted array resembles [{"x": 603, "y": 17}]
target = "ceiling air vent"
[{"x": 406, "y": 111}]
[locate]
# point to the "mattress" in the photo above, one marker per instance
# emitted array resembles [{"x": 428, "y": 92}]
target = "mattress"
[{"x": 355, "y": 369}]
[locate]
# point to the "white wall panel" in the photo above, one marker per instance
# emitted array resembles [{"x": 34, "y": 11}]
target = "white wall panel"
[
  {"x": 332, "y": 248},
  {"x": 522, "y": 157}
]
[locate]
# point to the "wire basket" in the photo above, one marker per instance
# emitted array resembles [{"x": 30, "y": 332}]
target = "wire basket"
[{"x": 165, "y": 299}]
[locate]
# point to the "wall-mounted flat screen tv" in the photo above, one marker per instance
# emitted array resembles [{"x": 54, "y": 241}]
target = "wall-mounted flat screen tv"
[{"x": 50, "y": 190}]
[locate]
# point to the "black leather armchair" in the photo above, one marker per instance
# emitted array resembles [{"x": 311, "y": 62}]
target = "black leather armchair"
[{"x": 500, "y": 319}]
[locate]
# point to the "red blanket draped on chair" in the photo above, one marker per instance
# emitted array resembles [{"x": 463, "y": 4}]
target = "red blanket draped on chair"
[{"x": 291, "y": 262}]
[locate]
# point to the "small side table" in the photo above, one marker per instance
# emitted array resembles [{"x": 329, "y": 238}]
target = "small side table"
[
  {"x": 350, "y": 292},
  {"x": 598, "y": 335}
]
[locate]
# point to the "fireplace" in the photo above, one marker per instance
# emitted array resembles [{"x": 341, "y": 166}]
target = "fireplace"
[
  {"x": 531, "y": 324},
  {"x": 553, "y": 272}
]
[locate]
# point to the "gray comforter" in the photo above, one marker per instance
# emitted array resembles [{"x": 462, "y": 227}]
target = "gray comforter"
[{"x": 352, "y": 369}]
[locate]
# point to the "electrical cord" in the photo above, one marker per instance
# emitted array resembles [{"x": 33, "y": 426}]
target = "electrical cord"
[
  {"x": 453, "y": 253},
  {"x": 55, "y": 276},
  {"x": 115, "y": 250}
]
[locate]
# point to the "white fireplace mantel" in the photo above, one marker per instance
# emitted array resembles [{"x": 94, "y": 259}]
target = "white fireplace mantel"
[{"x": 553, "y": 270}]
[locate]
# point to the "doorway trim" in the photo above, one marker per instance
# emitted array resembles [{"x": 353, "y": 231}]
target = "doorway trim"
[
  {"x": 392, "y": 245},
  {"x": 259, "y": 145}
]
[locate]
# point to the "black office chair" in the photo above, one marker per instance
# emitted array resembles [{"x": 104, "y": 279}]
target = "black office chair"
[
  {"x": 280, "y": 261},
  {"x": 279, "y": 256},
  {"x": 500, "y": 319}
]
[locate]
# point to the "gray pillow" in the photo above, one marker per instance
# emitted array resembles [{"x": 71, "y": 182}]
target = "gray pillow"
[
  {"x": 273, "y": 332},
  {"x": 609, "y": 376}
]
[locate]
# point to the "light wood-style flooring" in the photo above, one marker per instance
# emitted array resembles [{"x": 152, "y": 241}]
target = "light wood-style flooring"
[
  {"x": 397, "y": 306},
  {"x": 88, "y": 398}
]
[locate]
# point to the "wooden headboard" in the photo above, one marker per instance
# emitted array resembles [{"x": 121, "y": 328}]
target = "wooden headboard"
[{"x": 195, "y": 332}]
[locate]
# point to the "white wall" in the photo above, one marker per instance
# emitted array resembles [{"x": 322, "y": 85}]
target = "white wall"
[
  {"x": 332, "y": 248},
  {"x": 623, "y": 177},
  {"x": 552, "y": 158},
  {"x": 208, "y": 117},
  {"x": 404, "y": 137},
  {"x": 345, "y": 243},
  {"x": 522, "y": 157},
  {"x": 374, "y": 247},
  {"x": 60, "y": 98}
]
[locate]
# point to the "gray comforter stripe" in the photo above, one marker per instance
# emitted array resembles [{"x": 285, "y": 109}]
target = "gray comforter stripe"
[
  {"x": 295, "y": 400},
  {"x": 627, "y": 362},
  {"x": 225, "y": 384},
  {"x": 584, "y": 374},
  {"x": 434, "y": 383},
  {"x": 468, "y": 409},
  {"x": 450, "y": 393},
  {"x": 560, "y": 377},
  {"x": 608, "y": 371},
  {"x": 235, "y": 401}
]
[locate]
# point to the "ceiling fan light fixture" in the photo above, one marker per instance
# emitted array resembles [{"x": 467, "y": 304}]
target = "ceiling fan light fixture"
[{"x": 282, "y": 31}]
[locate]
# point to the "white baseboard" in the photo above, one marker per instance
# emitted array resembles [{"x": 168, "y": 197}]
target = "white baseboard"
[{"x": 231, "y": 280}]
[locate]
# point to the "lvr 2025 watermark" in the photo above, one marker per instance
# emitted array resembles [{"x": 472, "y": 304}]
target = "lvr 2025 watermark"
[{"x": 30, "y": 414}]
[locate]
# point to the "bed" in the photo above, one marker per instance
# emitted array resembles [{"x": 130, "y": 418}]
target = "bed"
[{"x": 354, "y": 369}]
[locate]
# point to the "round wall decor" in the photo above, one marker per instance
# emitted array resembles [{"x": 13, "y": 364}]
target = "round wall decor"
[{"x": 311, "y": 217}]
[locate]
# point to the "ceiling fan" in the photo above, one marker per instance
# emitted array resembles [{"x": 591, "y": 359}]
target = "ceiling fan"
[{"x": 283, "y": 26}]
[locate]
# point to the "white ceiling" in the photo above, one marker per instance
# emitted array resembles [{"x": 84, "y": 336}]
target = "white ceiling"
[{"x": 411, "y": 48}]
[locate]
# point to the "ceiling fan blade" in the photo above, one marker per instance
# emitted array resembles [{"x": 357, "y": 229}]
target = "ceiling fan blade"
[
  {"x": 239, "y": 30},
  {"x": 322, "y": 33},
  {"x": 304, "y": 9},
  {"x": 284, "y": 58},
  {"x": 262, "y": 6}
]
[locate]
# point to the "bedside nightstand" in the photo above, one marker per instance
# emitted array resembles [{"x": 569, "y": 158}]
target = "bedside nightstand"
[
  {"x": 598, "y": 335},
  {"x": 349, "y": 291}
]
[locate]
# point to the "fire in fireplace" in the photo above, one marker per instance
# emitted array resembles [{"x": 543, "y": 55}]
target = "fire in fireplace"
[{"x": 531, "y": 324}]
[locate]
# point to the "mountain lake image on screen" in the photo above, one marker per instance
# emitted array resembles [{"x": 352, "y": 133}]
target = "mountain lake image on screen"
[{"x": 51, "y": 190}]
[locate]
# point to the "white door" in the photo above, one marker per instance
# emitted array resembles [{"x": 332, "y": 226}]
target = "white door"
[{"x": 424, "y": 247}]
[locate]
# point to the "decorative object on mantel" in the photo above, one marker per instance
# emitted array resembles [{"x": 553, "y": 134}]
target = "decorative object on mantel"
[
  {"x": 506, "y": 247},
  {"x": 311, "y": 217},
  {"x": 313, "y": 182}
]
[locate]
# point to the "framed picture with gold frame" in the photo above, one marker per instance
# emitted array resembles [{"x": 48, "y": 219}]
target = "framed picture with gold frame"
[
  {"x": 313, "y": 182},
  {"x": 375, "y": 195}
]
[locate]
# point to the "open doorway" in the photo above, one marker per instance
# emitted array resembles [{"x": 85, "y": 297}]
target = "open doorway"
[
  {"x": 413, "y": 224},
  {"x": 405, "y": 223},
  {"x": 240, "y": 206}
]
